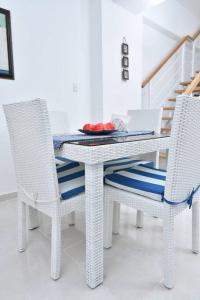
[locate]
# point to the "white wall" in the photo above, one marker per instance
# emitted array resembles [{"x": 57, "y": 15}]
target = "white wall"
[
  {"x": 96, "y": 60},
  {"x": 58, "y": 48},
  {"x": 163, "y": 27},
  {"x": 51, "y": 46},
  {"x": 156, "y": 45},
  {"x": 119, "y": 95},
  {"x": 174, "y": 17}
]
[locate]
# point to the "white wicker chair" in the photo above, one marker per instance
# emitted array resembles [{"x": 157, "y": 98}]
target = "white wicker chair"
[
  {"x": 59, "y": 125},
  {"x": 183, "y": 174},
  {"x": 146, "y": 119},
  {"x": 139, "y": 119},
  {"x": 37, "y": 181}
]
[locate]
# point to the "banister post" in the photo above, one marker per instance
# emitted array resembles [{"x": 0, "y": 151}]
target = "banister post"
[
  {"x": 193, "y": 59},
  {"x": 149, "y": 95},
  {"x": 146, "y": 96},
  {"x": 183, "y": 63}
]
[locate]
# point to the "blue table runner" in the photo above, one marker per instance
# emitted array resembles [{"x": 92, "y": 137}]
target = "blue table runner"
[{"x": 59, "y": 140}]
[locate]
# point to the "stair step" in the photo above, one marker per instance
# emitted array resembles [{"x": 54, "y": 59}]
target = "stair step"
[
  {"x": 168, "y": 108},
  {"x": 167, "y": 118},
  {"x": 185, "y": 83},
  {"x": 193, "y": 77},
  {"x": 172, "y": 99},
  {"x": 197, "y": 89},
  {"x": 163, "y": 155},
  {"x": 180, "y": 91},
  {"x": 165, "y": 130}
]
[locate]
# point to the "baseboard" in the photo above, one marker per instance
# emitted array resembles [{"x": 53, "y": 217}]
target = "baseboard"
[{"x": 8, "y": 196}]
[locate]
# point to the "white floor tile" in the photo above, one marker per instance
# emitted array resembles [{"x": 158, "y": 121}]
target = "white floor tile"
[{"x": 133, "y": 266}]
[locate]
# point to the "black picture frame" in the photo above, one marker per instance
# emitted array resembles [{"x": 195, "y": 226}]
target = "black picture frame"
[
  {"x": 125, "y": 61},
  {"x": 125, "y": 49},
  {"x": 125, "y": 74},
  {"x": 8, "y": 73}
]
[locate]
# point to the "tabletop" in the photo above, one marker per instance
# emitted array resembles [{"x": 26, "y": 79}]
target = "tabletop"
[{"x": 97, "y": 151}]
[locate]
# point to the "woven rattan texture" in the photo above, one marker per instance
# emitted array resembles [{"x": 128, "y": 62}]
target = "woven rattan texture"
[
  {"x": 37, "y": 182},
  {"x": 183, "y": 174}
]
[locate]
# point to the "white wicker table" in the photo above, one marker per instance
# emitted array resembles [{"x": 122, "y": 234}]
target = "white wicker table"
[{"x": 94, "y": 156}]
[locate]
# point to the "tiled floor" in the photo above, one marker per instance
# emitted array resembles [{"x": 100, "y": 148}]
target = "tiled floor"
[{"x": 132, "y": 266}]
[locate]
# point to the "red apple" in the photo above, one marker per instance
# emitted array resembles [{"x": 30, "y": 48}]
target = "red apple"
[
  {"x": 92, "y": 127},
  {"x": 98, "y": 127},
  {"x": 109, "y": 126},
  {"x": 89, "y": 127},
  {"x": 86, "y": 126}
]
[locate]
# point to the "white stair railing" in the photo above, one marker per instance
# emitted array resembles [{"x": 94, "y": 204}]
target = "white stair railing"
[
  {"x": 196, "y": 55},
  {"x": 180, "y": 65}
]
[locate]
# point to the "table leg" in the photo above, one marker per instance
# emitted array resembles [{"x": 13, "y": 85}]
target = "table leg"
[{"x": 94, "y": 224}]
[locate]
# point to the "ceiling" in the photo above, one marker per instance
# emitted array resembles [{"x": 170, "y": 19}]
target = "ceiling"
[
  {"x": 138, "y": 6},
  {"x": 192, "y": 5}
]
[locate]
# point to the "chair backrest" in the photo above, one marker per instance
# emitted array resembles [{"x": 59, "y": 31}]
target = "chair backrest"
[
  {"x": 183, "y": 170},
  {"x": 145, "y": 119},
  {"x": 32, "y": 149}
]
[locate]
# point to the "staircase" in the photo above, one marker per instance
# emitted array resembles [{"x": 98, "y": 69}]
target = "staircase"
[
  {"x": 177, "y": 74},
  {"x": 169, "y": 110}
]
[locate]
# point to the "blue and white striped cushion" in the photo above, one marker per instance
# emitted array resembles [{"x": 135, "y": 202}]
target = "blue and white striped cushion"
[
  {"x": 112, "y": 165},
  {"x": 123, "y": 163},
  {"x": 61, "y": 160},
  {"x": 71, "y": 179},
  {"x": 142, "y": 180},
  {"x": 71, "y": 175}
]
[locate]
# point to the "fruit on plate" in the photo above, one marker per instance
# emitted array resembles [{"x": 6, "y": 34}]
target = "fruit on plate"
[
  {"x": 86, "y": 127},
  {"x": 89, "y": 127},
  {"x": 99, "y": 126},
  {"x": 109, "y": 126}
]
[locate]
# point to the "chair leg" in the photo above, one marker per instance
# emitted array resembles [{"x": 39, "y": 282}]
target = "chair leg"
[
  {"x": 33, "y": 220},
  {"x": 108, "y": 221},
  {"x": 116, "y": 217},
  {"x": 21, "y": 226},
  {"x": 169, "y": 252},
  {"x": 195, "y": 227},
  {"x": 139, "y": 219},
  {"x": 71, "y": 218},
  {"x": 55, "y": 247}
]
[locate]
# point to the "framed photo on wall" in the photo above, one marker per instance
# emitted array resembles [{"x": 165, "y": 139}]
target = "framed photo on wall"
[
  {"x": 6, "y": 51},
  {"x": 125, "y": 61},
  {"x": 125, "y": 74},
  {"x": 125, "y": 48}
]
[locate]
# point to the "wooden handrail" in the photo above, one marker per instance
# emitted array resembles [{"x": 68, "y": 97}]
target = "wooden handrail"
[
  {"x": 195, "y": 82},
  {"x": 196, "y": 35},
  {"x": 165, "y": 60}
]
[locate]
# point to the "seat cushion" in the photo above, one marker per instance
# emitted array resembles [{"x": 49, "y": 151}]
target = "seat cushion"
[
  {"x": 112, "y": 165},
  {"x": 71, "y": 179},
  {"x": 61, "y": 160},
  {"x": 123, "y": 163},
  {"x": 141, "y": 179},
  {"x": 71, "y": 174}
]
